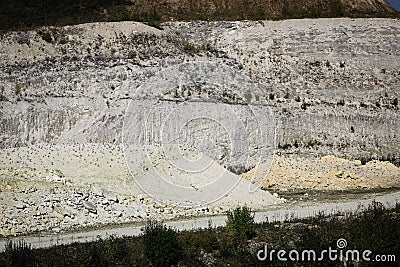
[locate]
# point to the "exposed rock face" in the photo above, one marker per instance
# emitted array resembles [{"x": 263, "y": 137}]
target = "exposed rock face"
[
  {"x": 332, "y": 83},
  {"x": 332, "y": 91}
]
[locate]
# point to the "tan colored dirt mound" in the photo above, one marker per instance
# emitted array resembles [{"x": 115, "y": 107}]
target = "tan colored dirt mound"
[{"x": 328, "y": 173}]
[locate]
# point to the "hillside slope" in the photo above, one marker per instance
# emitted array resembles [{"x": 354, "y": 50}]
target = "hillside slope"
[{"x": 20, "y": 15}]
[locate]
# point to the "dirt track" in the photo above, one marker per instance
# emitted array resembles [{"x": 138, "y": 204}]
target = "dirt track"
[{"x": 290, "y": 210}]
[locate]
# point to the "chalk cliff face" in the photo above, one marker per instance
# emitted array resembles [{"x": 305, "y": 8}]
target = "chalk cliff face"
[
  {"x": 93, "y": 115},
  {"x": 332, "y": 84}
]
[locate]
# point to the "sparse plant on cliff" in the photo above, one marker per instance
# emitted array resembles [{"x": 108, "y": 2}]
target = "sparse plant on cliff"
[
  {"x": 271, "y": 96},
  {"x": 189, "y": 47},
  {"x": 17, "y": 89},
  {"x": 328, "y": 64},
  {"x": 395, "y": 102},
  {"x": 46, "y": 36},
  {"x": 2, "y": 97},
  {"x": 341, "y": 102}
]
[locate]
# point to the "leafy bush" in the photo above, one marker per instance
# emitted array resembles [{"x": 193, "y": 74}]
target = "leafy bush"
[
  {"x": 161, "y": 246},
  {"x": 240, "y": 225}
]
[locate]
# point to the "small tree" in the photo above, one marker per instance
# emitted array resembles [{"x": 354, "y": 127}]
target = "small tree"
[
  {"x": 161, "y": 244},
  {"x": 240, "y": 225}
]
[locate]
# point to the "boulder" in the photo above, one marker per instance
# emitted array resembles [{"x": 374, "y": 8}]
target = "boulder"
[
  {"x": 98, "y": 191},
  {"x": 20, "y": 205},
  {"x": 90, "y": 206},
  {"x": 110, "y": 196}
]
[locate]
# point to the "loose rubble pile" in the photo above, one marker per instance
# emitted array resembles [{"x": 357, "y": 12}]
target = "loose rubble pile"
[
  {"x": 326, "y": 173},
  {"x": 65, "y": 187}
]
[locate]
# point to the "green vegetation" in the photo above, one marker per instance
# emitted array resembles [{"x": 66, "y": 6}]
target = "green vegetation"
[
  {"x": 395, "y": 102},
  {"x": 17, "y": 89},
  {"x": 161, "y": 246},
  {"x": 24, "y": 15},
  {"x": 374, "y": 228},
  {"x": 18, "y": 254},
  {"x": 46, "y": 36},
  {"x": 240, "y": 225},
  {"x": 304, "y": 106}
]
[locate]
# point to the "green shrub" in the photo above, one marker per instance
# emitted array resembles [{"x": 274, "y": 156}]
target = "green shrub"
[
  {"x": 19, "y": 254},
  {"x": 161, "y": 246},
  {"x": 119, "y": 13},
  {"x": 98, "y": 255},
  {"x": 46, "y": 36},
  {"x": 240, "y": 225}
]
